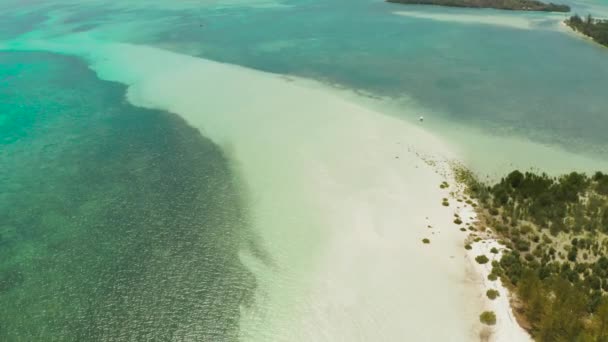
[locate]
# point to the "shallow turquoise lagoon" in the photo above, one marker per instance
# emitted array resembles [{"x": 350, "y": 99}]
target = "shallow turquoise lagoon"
[
  {"x": 116, "y": 223},
  {"x": 121, "y": 223}
]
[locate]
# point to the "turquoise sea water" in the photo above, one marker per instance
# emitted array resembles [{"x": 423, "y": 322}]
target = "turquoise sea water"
[
  {"x": 120, "y": 223},
  {"x": 117, "y": 223}
]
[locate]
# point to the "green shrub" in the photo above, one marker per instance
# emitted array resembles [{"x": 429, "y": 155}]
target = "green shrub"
[
  {"x": 492, "y": 277},
  {"x": 492, "y": 294},
  {"x": 488, "y": 317},
  {"x": 482, "y": 259},
  {"x": 458, "y": 221},
  {"x": 462, "y": 229},
  {"x": 494, "y": 250},
  {"x": 526, "y": 229},
  {"x": 467, "y": 247},
  {"x": 426, "y": 241}
]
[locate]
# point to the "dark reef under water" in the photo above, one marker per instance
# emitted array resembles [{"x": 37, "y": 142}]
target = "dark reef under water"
[{"x": 116, "y": 222}]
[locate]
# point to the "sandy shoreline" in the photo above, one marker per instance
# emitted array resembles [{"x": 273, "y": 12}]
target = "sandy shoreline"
[
  {"x": 506, "y": 329},
  {"x": 563, "y": 27}
]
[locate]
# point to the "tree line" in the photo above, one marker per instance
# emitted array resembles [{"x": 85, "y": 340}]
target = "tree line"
[
  {"x": 595, "y": 28},
  {"x": 555, "y": 230}
]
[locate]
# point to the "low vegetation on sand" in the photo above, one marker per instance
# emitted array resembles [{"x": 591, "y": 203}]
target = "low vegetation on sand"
[
  {"x": 488, "y": 317},
  {"x": 492, "y": 294},
  {"x": 595, "y": 28},
  {"x": 555, "y": 261},
  {"x": 482, "y": 259},
  {"x": 520, "y": 5}
]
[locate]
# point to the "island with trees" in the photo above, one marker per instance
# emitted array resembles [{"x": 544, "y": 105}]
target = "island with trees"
[
  {"x": 555, "y": 257},
  {"x": 596, "y": 29},
  {"x": 514, "y": 5}
]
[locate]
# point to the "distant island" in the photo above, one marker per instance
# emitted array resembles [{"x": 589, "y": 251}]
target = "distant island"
[
  {"x": 514, "y": 5},
  {"x": 596, "y": 29}
]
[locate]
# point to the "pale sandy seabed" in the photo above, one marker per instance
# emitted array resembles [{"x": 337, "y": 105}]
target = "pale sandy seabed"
[
  {"x": 489, "y": 155},
  {"x": 340, "y": 194},
  {"x": 516, "y": 20}
]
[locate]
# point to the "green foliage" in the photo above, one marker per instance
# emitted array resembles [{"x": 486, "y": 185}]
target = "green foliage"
[
  {"x": 467, "y": 247},
  {"x": 522, "y": 5},
  {"x": 482, "y": 259},
  {"x": 458, "y": 221},
  {"x": 562, "y": 284},
  {"x": 554, "y": 203},
  {"x": 426, "y": 241},
  {"x": 602, "y": 183},
  {"x": 492, "y": 294},
  {"x": 598, "y": 30},
  {"x": 488, "y": 317}
]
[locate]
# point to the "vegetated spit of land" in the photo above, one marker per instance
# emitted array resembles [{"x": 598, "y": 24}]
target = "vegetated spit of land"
[
  {"x": 596, "y": 29},
  {"x": 555, "y": 230},
  {"x": 519, "y": 5}
]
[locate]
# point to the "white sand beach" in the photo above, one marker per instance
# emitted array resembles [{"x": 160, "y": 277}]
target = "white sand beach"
[{"x": 506, "y": 328}]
